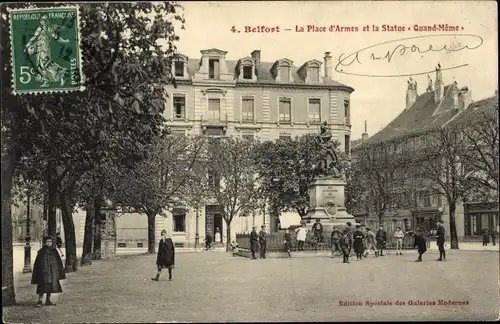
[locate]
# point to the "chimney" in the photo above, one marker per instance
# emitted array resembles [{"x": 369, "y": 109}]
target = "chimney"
[
  {"x": 456, "y": 93},
  {"x": 464, "y": 98},
  {"x": 328, "y": 66},
  {"x": 364, "y": 136},
  {"x": 411, "y": 93},
  {"x": 438, "y": 85},
  {"x": 429, "y": 85}
]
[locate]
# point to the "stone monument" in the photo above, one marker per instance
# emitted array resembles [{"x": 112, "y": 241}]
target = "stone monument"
[{"x": 326, "y": 193}]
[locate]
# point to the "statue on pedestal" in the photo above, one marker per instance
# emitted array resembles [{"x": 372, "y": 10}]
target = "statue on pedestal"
[{"x": 328, "y": 161}]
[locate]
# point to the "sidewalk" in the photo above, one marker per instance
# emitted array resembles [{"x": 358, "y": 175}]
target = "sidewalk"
[{"x": 468, "y": 246}]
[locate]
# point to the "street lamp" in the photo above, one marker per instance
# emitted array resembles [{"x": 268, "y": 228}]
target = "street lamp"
[{"x": 27, "y": 247}]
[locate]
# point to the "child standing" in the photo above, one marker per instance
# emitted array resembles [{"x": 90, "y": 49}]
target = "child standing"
[
  {"x": 344, "y": 246},
  {"x": 47, "y": 271},
  {"x": 335, "y": 238},
  {"x": 288, "y": 242},
  {"x": 234, "y": 248},
  {"x": 399, "y": 235}
]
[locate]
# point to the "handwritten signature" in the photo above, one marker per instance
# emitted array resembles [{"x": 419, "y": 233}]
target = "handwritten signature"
[{"x": 387, "y": 52}]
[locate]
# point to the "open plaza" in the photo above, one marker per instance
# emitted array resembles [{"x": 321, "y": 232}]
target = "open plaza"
[{"x": 216, "y": 287}]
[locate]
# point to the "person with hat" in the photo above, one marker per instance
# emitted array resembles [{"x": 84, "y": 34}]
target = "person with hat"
[
  {"x": 440, "y": 233},
  {"x": 48, "y": 270},
  {"x": 263, "y": 241},
  {"x": 254, "y": 242},
  {"x": 381, "y": 239},
  {"x": 166, "y": 256},
  {"x": 420, "y": 243},
  {"x": 358, "y": 243}
]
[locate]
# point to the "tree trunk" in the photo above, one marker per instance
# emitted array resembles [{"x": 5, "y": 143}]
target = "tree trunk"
[
  {"x": 52, "y": 198},
  {"x": 8, "y": 169},
  {"x": 69, "y": 233},
  {"x": 228, "y": 236},
  {"x": 151, "y": 232},
  {"x": 453, "y": 228},
  {"x": 88, "y": 235},
  {"x": 96, "y": 254}
]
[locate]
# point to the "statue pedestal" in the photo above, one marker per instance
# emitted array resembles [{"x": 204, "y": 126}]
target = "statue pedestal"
[{"x": 327, "y": 203}]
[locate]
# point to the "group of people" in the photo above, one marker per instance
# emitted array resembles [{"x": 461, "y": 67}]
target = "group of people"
[
  {"x": 486, "y": 237},
  {"x": 258, "y": 242}
]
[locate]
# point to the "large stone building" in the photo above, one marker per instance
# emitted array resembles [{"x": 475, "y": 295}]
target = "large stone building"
[
  {"x": 413, "y": 206},
  {"x": 246, "y": 97}
]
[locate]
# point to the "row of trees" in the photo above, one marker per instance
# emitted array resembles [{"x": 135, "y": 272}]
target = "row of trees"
[
  {"x": 457, "y": 161},
  {"x": 60, "y": 147}
]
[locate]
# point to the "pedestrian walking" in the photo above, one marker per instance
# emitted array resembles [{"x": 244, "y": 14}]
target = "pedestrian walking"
[
  {"x": 166, "y": 256},
  {"x": 420, "y": 243},
  {"x": 358, "y": 243},
  {"x": 494, "y": 237},
  {"x": 399, "y": 235},
  {"x": 301, "y": 236},
  {"x": 254, "y": 242},
  {"x": 59, "y": 244},
  {"x": 344, "y": 246},
  {"x": 370, "y": 242},
  {"x": 486, "y": 237},
  {"x": 263, "y": 241},
  {"x": 48, "y": 270},
  {"x": 381, "y": 239},
  {"x": 440, "y": 233},
  {"x": 335, "y": 240},
  {"x": 287, "y": 240}
]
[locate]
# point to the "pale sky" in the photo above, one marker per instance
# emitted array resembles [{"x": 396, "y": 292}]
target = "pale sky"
[{"x": 375, "y": 99}]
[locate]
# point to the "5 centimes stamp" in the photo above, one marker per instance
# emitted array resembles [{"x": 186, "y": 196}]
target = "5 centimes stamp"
[{"x": 45, "y": 50}]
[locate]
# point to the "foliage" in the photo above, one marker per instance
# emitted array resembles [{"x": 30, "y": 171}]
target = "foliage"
[
  {"x": 285, "y": 170},
  {"x": 231, "y": 176}
]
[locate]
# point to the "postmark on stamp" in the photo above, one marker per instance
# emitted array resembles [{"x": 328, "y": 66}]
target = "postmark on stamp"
[{"x": 45, "y": 50}]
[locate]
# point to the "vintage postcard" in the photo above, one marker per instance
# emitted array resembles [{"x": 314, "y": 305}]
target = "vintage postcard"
[{"x": 250, "y": 161}]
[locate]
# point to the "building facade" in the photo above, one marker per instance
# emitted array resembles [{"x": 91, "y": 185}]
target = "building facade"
[{"x": 416, "y": 206}]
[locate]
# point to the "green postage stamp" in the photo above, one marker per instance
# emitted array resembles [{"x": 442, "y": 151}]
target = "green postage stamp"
[{"x": 45, "y": 50}]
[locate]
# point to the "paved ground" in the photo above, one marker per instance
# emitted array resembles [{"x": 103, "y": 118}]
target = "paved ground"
[{"x": 215, "y": 287}]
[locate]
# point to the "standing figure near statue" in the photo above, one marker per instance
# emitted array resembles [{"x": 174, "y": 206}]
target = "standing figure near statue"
[
  {"x": 350, "y": 232},
  {"x": 254, "y": 242},
  {"x": 328, "y": 164},
  {"x": 420, "y": 243},
  {"x": 317, "y": 229},
  {"x": 335, "y": 240},
  {"x": 344, "y": 246},
  {"x": 47, "y": 272},
  {"x": 166, "y": 256},
  {"x": 301, "y": 236},
  {"x": 263, "y": 241},
  {"x": 358, "y": 243}
]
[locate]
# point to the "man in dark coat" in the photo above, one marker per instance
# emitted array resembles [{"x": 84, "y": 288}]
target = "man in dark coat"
[
  {"x": 208, "y": 241},
  {"x": 358, "y": 242},
  {"x": 254, "y": 242},
  {"x": 287, "y": 239},
  {"x": 263, "y": 241},
  {"x": 166, "y": 256},
  {"x": 381, "y": 239},
  {"x": 486, "y": 237},
  {"x": 47, "y": 272},
  {"x": 420, "y": 243},
  {"x": 440, "y": 241},
  {"x": 335, "y": 240},
  {"x": 317, "y": 230}
]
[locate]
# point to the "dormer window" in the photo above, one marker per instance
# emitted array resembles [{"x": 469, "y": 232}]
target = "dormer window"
[
  {"x": 282, "y": 70},
  {"x": 284, "y": 73},
  {"x": 213, "y": 69},
  {"x": 247, "y": 72},
  {"x": 313, "y": 73},
  {"x": 179, "y": 68},
  {"x": 310, "y": 71}
]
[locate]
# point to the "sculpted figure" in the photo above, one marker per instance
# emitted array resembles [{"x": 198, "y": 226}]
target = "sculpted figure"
[{"x": 328, "y": 164}]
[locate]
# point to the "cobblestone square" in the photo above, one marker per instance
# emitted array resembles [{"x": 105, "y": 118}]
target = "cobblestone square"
[{"x": 215, "y": 287}]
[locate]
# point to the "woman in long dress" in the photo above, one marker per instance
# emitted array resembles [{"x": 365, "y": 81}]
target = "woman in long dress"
[
  {"x": 47, "y": 70},
  {"x": 166, "y": 256},
  {"x": 358, "y": 242}
]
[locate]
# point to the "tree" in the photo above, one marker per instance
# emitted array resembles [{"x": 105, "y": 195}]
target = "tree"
[
  {"x": 479, "y": 125},
  {"x": 126, "y": 69},
  {"x": 231, "y": 174},
  {"x": 443, "y": 165},
  {"x": 286, "y": 168},
  {"x": 158, "y": 182}
]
